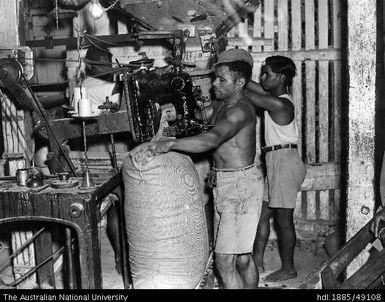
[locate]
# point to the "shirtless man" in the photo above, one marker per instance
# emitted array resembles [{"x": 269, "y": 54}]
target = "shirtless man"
[{"x": 238, "y": 185}]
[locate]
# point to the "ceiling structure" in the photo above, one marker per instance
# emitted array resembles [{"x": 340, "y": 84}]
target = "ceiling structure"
[{"x": 166, "y": 15}]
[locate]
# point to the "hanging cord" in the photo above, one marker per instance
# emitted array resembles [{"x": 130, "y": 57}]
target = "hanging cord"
[
  {"x": 78, "y": 47},
  {"x": 80, "y": 59}
]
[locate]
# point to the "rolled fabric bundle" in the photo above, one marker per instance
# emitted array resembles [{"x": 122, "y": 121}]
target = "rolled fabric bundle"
[{"x": 165, "y": 222}]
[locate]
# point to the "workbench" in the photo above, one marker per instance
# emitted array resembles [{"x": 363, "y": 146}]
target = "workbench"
[{"x": 75, "y": 209}]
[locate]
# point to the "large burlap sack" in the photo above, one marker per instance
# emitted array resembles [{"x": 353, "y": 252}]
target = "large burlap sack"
[{"x": 165, "y": 222}]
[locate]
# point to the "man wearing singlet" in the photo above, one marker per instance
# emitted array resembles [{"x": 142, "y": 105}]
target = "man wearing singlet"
[
  {"x": 99, "y": 79},
  {"x": 238, "y": 188},
  {"x": 285, "y": 169}
]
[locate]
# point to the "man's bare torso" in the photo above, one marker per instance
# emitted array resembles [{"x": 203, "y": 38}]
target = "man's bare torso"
[{"x": 238, "y": 151}]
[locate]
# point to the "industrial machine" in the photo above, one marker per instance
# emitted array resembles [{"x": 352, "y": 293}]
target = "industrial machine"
[{"x": 146, "y": 89}]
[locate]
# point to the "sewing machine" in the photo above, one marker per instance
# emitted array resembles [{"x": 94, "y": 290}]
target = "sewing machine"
[
  {"x": 145, "y": 88},
  {"x": 147, "y": 91}
]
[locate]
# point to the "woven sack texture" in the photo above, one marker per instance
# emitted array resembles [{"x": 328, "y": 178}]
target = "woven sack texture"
[{"x": 165, "y": 222}]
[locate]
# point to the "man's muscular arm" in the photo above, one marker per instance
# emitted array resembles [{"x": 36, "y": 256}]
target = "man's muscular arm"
[
  {"x": 255, "y": 87},
  {"x": 263, "y": 99},
  {"x": 281, "y": 109},
  {"x": 203, "y": 142}
]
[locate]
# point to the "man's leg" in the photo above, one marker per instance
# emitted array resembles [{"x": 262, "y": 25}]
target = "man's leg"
[
  {"x": 286, "y": 245},
  {"x": 382, "y": 181},
  {"x": 263, "y": 233},
  {"x": 226, "y": 267},
  {"x": 248, "y": 271},
  {"x": 113, "y": 232}
]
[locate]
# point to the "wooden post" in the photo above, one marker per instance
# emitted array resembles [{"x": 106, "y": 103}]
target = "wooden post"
[
  {"x": 323, "y": 102},
  {"x": 310, "y": 77},
  {"x": 9, "y": 21},
  {"x": 362, "y": 71}
]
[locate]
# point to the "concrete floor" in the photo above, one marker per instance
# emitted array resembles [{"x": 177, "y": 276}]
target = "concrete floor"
[
  {"x": 308, "y": 256},
  {"x": 111, "y": 278}
]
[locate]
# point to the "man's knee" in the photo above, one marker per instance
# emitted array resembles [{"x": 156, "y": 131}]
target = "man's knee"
[
  {"x": 112, "y": 213},
  {"x": 225, "y": 262},
  {"x": 266, "y": 212},
  {"x": 244, "y": 261},
  {"x": 284, "y": 218}
]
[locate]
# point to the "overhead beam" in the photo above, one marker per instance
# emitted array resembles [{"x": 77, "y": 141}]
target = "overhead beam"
[{"x": 114, "y": 40}]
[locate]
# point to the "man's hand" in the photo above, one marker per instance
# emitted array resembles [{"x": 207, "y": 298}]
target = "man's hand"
[
  {"x": 144, "y": 152},
  {"x": 375, "y": 225}
]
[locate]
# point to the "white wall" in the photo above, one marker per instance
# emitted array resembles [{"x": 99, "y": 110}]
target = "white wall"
[{"x": 9, "y": 23}]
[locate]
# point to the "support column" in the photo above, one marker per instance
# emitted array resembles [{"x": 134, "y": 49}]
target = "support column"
[
  {"x": 361, "y": 121},
  {"x": 9, "y": 21}
]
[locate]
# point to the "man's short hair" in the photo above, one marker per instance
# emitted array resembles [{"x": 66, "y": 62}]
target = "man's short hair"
[
  {"x": 284, "y": 65},
  {"x": 235, "y": 54},
  {"x": 98, "y": 54},
  {"x": 101, "y": 55},
  {"x": 240, "y": 68},
  {"x": 239, "y": 61}
]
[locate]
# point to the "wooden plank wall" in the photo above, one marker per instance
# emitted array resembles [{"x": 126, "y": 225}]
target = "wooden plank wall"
[
  {"x": 41, "y": 24},
  {"x": 15, "y": 123},
  {"x": 309, "y": 33}
]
